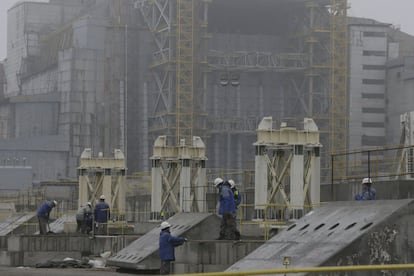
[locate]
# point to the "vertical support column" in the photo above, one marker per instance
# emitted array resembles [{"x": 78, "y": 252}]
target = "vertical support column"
[
  {"x": 296, "y": 181},
  {"x": 315, "y": 188},
  {"x": 156, "y": 191},
  {"x": 260, "y": 179},
  {"x": 83, "y": 187},
  {"x": 121, "y": 194},
  {"x": 107, "y": 186},
  {"x": 201, "y": 188},
  {"x": 185, "y": 186}
]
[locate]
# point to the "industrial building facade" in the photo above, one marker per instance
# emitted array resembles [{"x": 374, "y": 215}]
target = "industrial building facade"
[{"x": 111, "y": 74}]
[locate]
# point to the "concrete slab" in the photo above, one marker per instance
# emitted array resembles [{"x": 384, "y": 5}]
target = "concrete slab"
[
  {"x": 10, "y": 224},
  {"x": 353, "y": 232},
  {"x": 142, "y": 254}
]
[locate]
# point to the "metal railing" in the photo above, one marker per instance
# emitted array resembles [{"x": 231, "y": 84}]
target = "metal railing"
[
  {"x": 387, "y": 163},
  {"x": 325, "y": 269}
]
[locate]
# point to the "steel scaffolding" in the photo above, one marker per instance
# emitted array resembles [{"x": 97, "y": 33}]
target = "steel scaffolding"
[{"x": 338, "y": 107}]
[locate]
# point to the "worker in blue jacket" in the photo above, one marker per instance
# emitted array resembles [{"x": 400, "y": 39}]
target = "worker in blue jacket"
[
  {"x": 227, "y": 211},
  {"x": 102, "y": 214},
  {"x": 368, "y": 191},
  {"x": 43, "y": 214},
  {"x": 167, "y": 246}
]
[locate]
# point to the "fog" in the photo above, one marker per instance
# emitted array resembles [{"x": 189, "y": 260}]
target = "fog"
[{"x": 396, "y": 12}]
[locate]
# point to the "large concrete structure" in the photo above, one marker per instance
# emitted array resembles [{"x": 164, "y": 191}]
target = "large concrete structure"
[
  {"x": 106, "y": 74},
  {"x": 102, "y": 75},
  {"x": 377, "y": 96}
]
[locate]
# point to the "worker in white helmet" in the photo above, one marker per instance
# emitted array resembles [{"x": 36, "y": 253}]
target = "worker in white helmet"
[
  {"x": 368, "y": 192},
  {"x": 227, "y": 210},
  {"x": 236, "y": 193},
  {"x": 167, "y": 244},
  {"x": 43, "y": 215},
  {"x": 102, "y": 214},
  {"x": 84, "y": 218}
]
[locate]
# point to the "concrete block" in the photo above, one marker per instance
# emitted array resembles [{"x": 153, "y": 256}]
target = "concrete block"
[
  {"x": 188, "y": 253},
  {"x": 14, "y": 244},
  {"x": 11, "y": 258},
  {"x": 5, "y": 258},
  {"x": 212, "y": 268},
  {"x": 182, "y": 268}
]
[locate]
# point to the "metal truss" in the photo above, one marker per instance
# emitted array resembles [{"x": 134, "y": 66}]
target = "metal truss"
[{"x": 338, "y": 108}]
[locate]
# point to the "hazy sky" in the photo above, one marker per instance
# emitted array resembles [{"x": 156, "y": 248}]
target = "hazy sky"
[{"x": 396, "y": 12}]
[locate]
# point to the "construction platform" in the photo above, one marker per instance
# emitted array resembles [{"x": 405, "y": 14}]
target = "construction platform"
[{"x": 339, "y": 233}]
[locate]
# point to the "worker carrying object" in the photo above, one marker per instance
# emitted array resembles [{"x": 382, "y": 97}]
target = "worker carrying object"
[
  {"x": 43, "y": 215},
  {"x": 368, "y": 192},
  {"x": 167, "y": 244}
]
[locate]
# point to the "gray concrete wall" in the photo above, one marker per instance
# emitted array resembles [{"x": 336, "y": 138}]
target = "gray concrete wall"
[
  {"x": 15, "y": 177},
  {"x": 367, "y": 99},
  {"x": 400, "y": 80}
]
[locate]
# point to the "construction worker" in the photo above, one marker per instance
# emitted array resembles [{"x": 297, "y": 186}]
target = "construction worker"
[
  {"x": 43, "y": 215},
  {"x": 227, "y": 209},
  {"x": 102, "y": 214},
  {"x": 368, "y": 192},
  {"x": 167, "y": 246},
  {"x": 84, "y": 219},
  {"x": 236, "y": 193}
]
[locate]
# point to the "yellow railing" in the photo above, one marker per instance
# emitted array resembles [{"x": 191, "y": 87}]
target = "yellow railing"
[{"x": 308, "y": 269}]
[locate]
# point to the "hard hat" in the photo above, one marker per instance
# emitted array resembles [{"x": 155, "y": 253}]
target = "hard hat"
[
  {"x": 54, "y": 202},
  {"x": 102, "y": 197},
  {"x": 218, "y": 181},
  {"x": 366, "y": 180},
  {"x": 165, "y": 225},
  {"x": 232, "y": 184},
  {"x": 88, "y": 203}
]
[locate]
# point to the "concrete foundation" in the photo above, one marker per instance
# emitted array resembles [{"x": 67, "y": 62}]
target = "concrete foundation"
[{"x": 341, "y": 233}]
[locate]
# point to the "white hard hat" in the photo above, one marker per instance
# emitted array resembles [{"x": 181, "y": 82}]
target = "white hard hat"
[
  {"x": 218, "y": 181},
  {"x": 102, "y": 197},
  {"x": 54, "y": 202},
  {"x": 165, "y": 225},
  {"x": 366, "y": 180},
  {"x": 232, "y": 184},
  {"x": 88, "y": 203}
]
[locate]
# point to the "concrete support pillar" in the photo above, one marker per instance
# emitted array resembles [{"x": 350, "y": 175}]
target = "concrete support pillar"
[
  {"x": 107, "y": 186},
  {"x": 315, "y": 188},
  {"x": 201, "y": 187},
  {"x": 156, "y": 190},
  {"x": 121, "y": 191},
  {"x": 83, "y": 187},
  {"x": 296, "y": 178},
  {"x": 260, "y": 178},
  {"x": 185, "y": 186}
]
